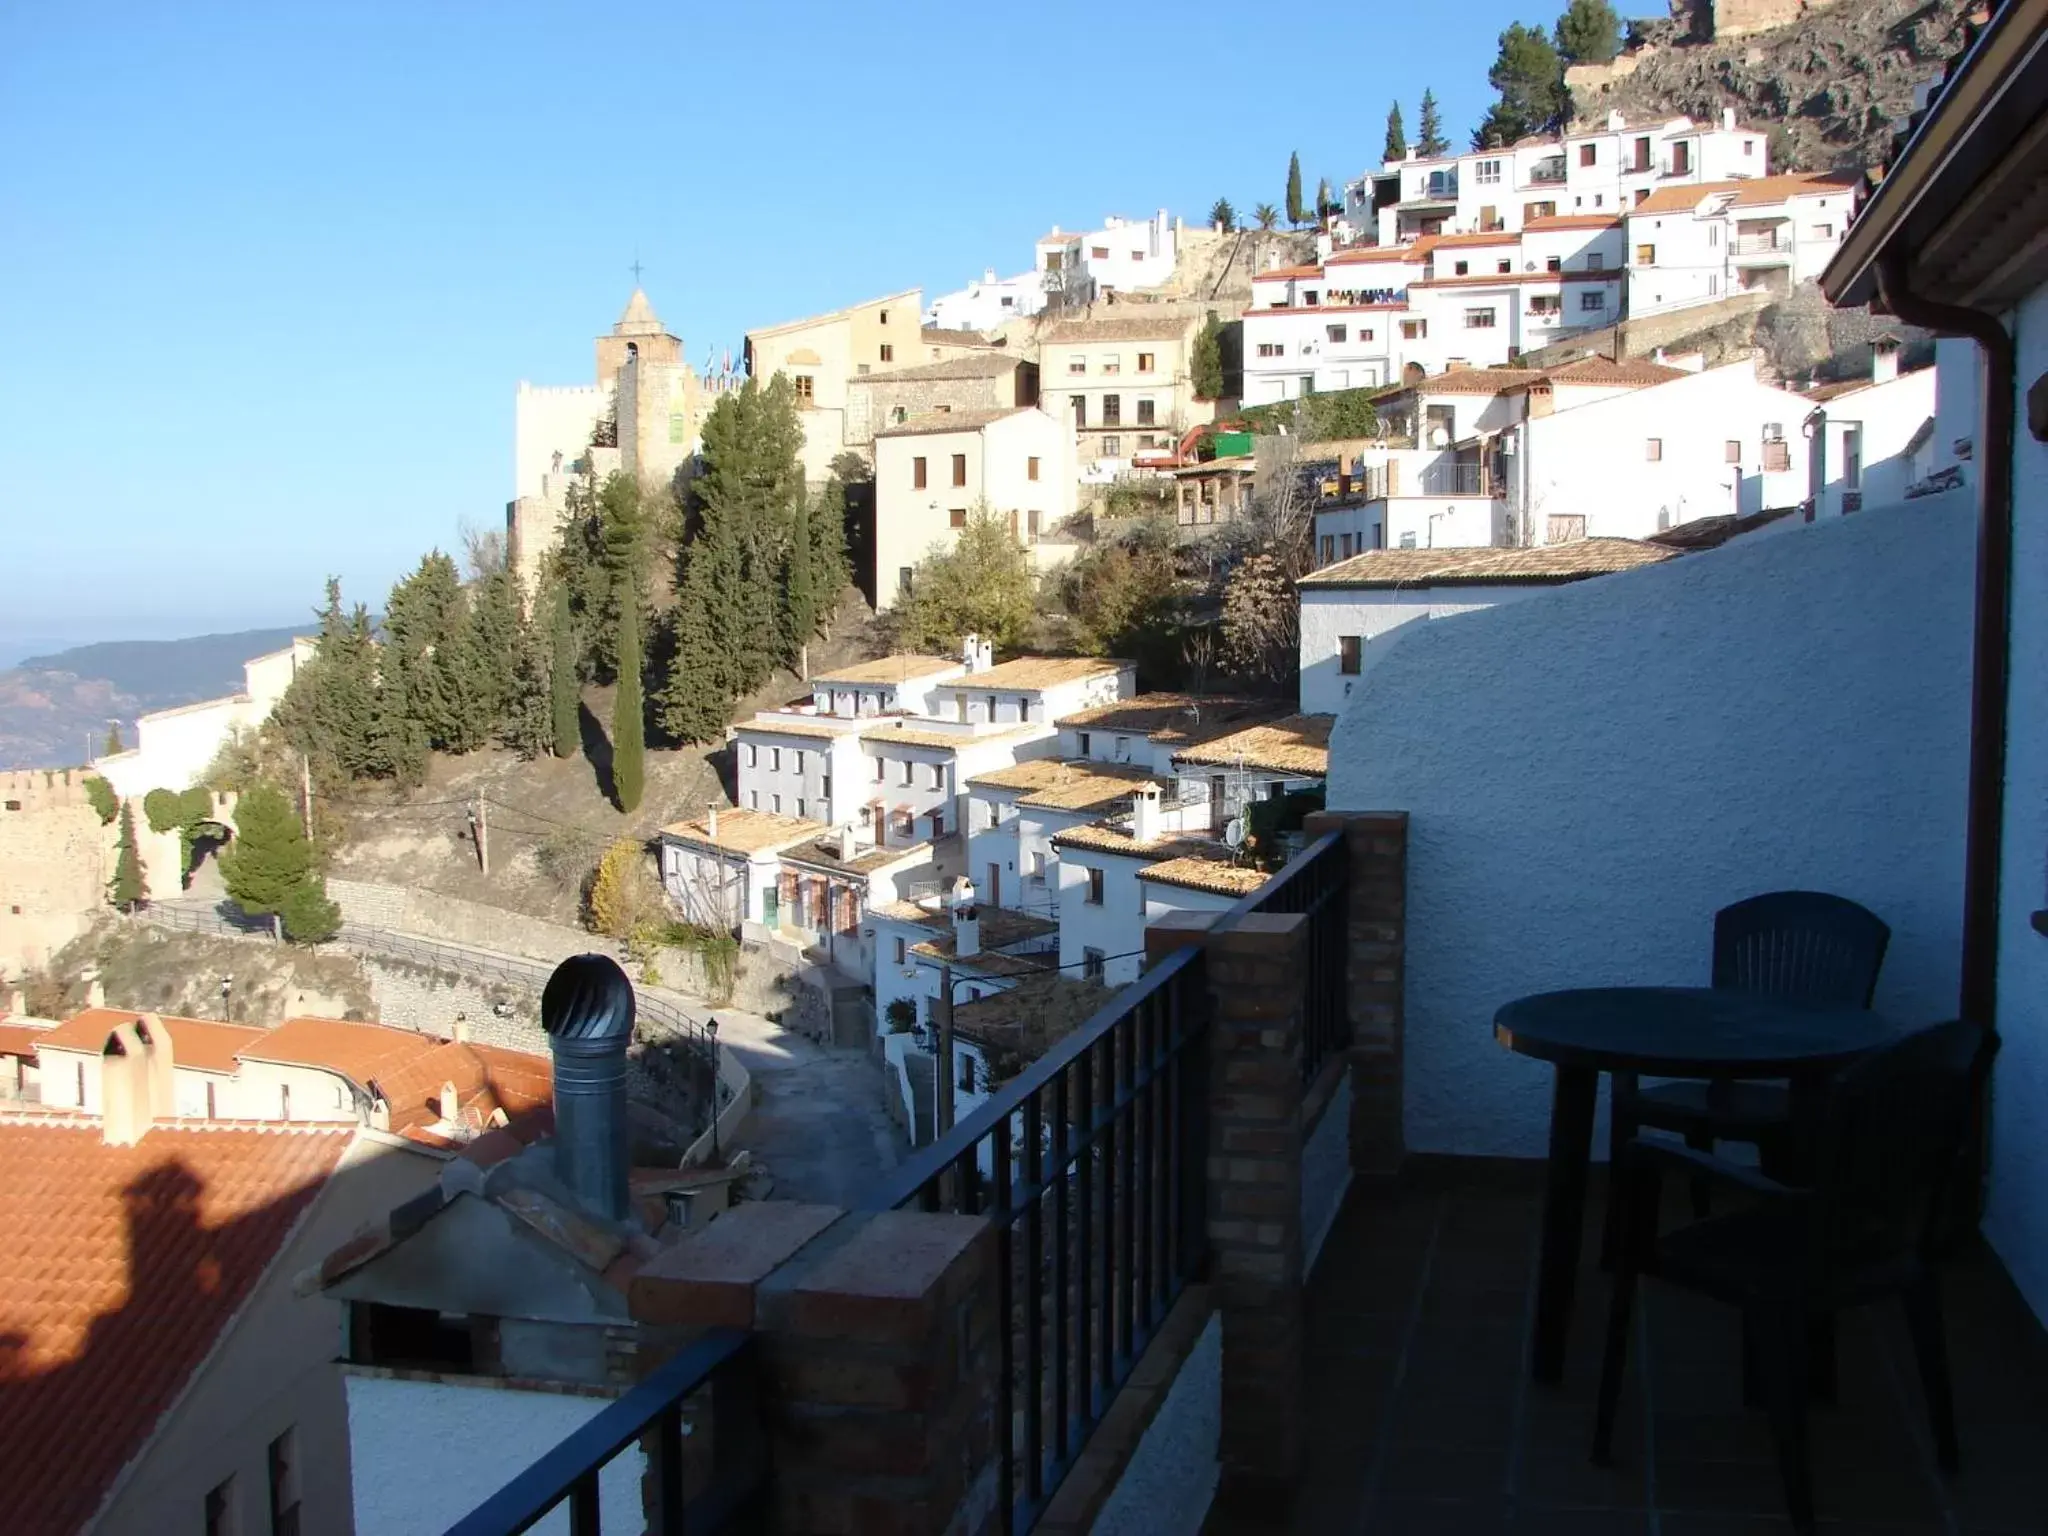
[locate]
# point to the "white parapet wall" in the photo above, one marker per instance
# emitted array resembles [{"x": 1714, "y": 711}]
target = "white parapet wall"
[{"x": 1591, "y": 773}]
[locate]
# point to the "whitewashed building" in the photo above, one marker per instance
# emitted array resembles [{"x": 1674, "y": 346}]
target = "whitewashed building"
[
  {"x": 1694, "y": 244},
  {"x": 1121, "y": 256},
  {"x": 988, "y": 303},
  {"x": 1869, "y": 439},
  {"x": 934, "y": 470},
  {"x": 1351, "y": 609},
  {"x": 723, "y": 870}
]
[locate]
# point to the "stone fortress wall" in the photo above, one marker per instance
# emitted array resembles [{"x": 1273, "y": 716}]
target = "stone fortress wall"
[{"x": 55, "y": 861}]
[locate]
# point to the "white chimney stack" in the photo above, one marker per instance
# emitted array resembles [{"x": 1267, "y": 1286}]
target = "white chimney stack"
[
  {"x": 849, "y": 850},
  {"x": 95, "y": 994},
  {"x": 1145, "y": 814},
  {"x": 970, "y": 650},
  {"x": 985, "y": 655},
  {"x": 966, "y": 922},
  {"x": 461, "y": 1030},
  {"x": 711, "y": 818},
  {"x": 17, "y": 1003},
  {"x": 448, "y": 1104},
  {"x": 1884, "y": 360},
  {"x": 1727, "y": 117},
  {"x": 1615, "y": 120}
]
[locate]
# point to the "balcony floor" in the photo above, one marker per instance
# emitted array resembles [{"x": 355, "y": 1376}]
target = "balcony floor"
[{"x": 1422, "y": 1418}]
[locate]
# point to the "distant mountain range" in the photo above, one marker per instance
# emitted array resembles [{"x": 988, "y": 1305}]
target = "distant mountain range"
[{"x": 54, "y": 709}]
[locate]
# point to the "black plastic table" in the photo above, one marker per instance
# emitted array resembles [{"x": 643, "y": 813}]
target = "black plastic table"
[{"x": 1657, "y": 1032}]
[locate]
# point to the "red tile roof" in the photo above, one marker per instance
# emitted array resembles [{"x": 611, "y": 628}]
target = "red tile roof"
[
  {"x": 1754, "y": 192},
  {"x": 1308, "y": 270},
  {"x": 359, "y": 1052},
  {"x": 1572, "y": 221},
  {"x": 202, "y": 1045},
  {"x": 1478, "y": 237},
  {"x": 20, "y": 1039},
  {"x": 486, "y": 1078},
  {"x": 120, "y": 1268}
]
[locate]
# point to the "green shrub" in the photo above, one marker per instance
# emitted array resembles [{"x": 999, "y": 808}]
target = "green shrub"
[{"x": 105, "y": 803}]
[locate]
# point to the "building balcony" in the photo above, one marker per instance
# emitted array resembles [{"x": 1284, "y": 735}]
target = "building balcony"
[
  {"x": 1777, "y": 244},
  {"x": 1546, "y": 173}
]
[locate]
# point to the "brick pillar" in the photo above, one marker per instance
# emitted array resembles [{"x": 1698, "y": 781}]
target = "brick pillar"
[
  {"x": 1376, "y": 957},
  {"x": 878, "y": 1344},
  {"x": 1256, "y": 973}
]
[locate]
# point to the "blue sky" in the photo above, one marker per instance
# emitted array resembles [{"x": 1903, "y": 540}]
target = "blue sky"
[{"x": 269, "y": 274}]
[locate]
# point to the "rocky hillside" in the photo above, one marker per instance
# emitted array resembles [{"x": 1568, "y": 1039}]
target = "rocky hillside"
[{"x": 1835, "y": 81}]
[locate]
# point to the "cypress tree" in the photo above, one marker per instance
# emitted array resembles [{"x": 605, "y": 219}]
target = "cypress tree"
[
  {"x": 696, "y": 700},
  {"x": 563, "y": 693},
  {"x": 128, "y": 886},
  {"x": 1294, "y": 208},
  {"x": 1324, "y": 205},
  {"x": 497, "y": 650},
  {"x": 1397, "y": 135},
  {"x": 629, "y": 730},
  {"x": 113, "y": 742},
  {"x": 1430, "y": 141}
]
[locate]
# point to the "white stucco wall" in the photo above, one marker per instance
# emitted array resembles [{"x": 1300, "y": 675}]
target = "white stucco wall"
[
  {"x": 1328, "y": 613},
  {"x": 1884, "y": 418},
  {"x": 1593, "y": 772},
  {"x": 551, "y": 419},
  {"x": 2016, "y": 1220},
  {"x": 424, "y": 1454}
]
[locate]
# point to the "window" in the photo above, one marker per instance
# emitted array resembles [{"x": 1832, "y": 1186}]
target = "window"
[
  {"x": 882, "y": 318},
  {"x": 1653, "y": 450},
  {"x": 1546, "y": 304},
  {"x": 1112, "y": 410},
  {"x": 753, "y": 799},
  {"x": 1147, "y": 411},
  {"x": 1335, "y": 333},
  {"x": 1732, "y": 449},
  {"x": 1713, "y": 234},
  {"x": 1595, "y": 262},
  {"x": 1504, "y": 266},
  {"x": 1329, "y": 548},
  {"x": 861, "y": 369},
  {"x": 1414, "y": 330},
  {"x": 918, "y": 474},
  {"x": 1272, "y": 349},
  {"x": 1310, "y": 298},
  {"x": 1092, "y": 966},
  {"x": 1146, "y": 362},
  {"x": 801, "y": 813},
  {"x": 1080, "y": 405},
  {"x": 938, "y": 775},
  {"x": 220, "y": 1510},
  {"x": 1553, "y": 264},
  {"x": 806, "y": 389},
  {"x": 1777, "y": 456},
  {"x": 1031, "y": 467},
  {"x": 1365, "y": 333},
  {"x": 797, "y": 762},
  {"x": 1681, "y": 158},
  {"x": 1646, "y": 255},
  {"x": 774, "y": 804},
  {"x": 1098, "y": 253},
  {"x": 1077, "y": 365},
  {"x": 775, "y": 759},
  {"x": 1588, "y": 154},
  {"x": 1408, "y": 540},
  {"x": 1565, "y": 527},
  {"x": 1599, "y": 199},
  {"x": 1592, "y": 301},
  {"x": 1112, "y": 447},
  {"x": 1749, "y": 146},
  {"x": 956, "y": 517},
  {"x": 897, "y": 944},
  {"x": 959, "y": 469},
  {"x": 1641, "y": 162},
  {"x": 903, "y": 575},
  {"x": 908, "y": 769},
  {"x": 284, "y": 1096},
  {"x": 1344, "y": 547},
  {"x": 1642, "y": 196},
  {"x": 1823, "y": 231},
  {"x": 753, "y": 754},
  {"x": 1111, "y": 362},
  {"x": 1461, "y": 268},
  {"x": 1478, "y": 319},
  {"x": 1486, "y": 172},
  {"x": 284, "y": 1484},
  {"x": 1094, "y": 887},
  {"x": 888, "y": 353},
  {"x": 898, "y": 416}
]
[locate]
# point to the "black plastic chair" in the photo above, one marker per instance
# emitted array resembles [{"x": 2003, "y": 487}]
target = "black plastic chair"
[
  {"x": 1889, "y": 1151},
  {"x": 1804, "y": 944}
]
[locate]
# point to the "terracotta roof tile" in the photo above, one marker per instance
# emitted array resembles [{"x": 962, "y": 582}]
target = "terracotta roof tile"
[
  {"x": 1479, "y": 238},
  {"x": 1171, "y": 716},
  {"x": 1757, "y": 191},
  {"x": 1572, "y": 221},
  {"x": 1298, "y": 744},
  {"x": 486, "y": 1078},
  {"x": 939, "y": 336},
  {"x": 931, "y": 423},
  {"x": 1281, "y": 274},
  {"x": 120, "y": 1268},
  {"x": 1059, "y": 785},
  {"x": 20, "y": 1039},
  {"x": 1570, "y": 561},
  {"x": 1122, "y": 328},
  {"x": 200, "y": 1045},
  {"x": 1475, "y": 381},
  {"x": 1605, "y": 370},
  {"x": 745, "y": 831},
  {"x": 810, "y": 730},
  {"x": 899, "y": 668},
  {"x": 359, "y": 1052},
  {"x": 867, "y": 857},
  {"x": 1027, "y": 1020},
  {"x": 1213, "y": 875},
  {"x": 906, "y": 733},
  {"x": 1106, "y": 838},
  {"x": 1364, "y": 255},
  {"x": 1036, "y": 672}
]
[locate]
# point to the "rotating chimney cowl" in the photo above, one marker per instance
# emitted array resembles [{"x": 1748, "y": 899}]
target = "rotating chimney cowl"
[{"x": 587, "y": 1009}]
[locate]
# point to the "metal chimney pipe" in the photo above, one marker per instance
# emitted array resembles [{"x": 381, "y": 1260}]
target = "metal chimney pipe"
[{"x": 587, "y": 1009}]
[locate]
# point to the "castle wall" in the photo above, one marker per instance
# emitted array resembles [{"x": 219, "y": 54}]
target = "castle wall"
[
  {"x": 55, "y": 861},
  {"x": 547, "y": 420}
]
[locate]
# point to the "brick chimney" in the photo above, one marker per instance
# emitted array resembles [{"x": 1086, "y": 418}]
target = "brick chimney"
[{"x": 125, "y": 1116}]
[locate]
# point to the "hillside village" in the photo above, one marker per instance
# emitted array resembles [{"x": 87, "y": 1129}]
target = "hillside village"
[{"x": 903, "y": 698}]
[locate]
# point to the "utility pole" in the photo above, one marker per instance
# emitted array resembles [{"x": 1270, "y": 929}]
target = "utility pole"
[
  {"x": 943, "y": 1100},
  {"x": 306, "y": 794},
  {"x": 480, "y": 834}
]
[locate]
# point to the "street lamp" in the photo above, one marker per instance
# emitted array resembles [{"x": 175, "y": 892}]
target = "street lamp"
[
  {"x": 227, "y": 1000},
  {"x": 711, "y": 1029}
]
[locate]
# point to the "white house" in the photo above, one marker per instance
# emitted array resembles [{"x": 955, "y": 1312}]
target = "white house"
[
  {"x": 984, "y": 305},
  {"x": 1223, "y": 774},
  {"x": 174, "y": 747},
  {"x": 1350, "y": 609},
  {"x": 830, "y": 886},
  {"x": 1693, "y": 244},
  {"x": 1869, "y": 439},
  {"x": 933, "y": 470},
  {"x": 723, "y": 870},
  {"x": 1121, "y": 256},
  {"x": 1146, "y": 729},
  {"x": 1013, "y": 815}
]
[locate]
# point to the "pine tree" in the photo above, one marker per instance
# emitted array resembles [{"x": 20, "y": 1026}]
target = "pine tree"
[
  {"x": 1397, "y": 135},
  {"x": 982, "y": 585},
  {"x": 629, "y": 729},
  {"x": 528, "y": 723},
  {"x": 308, "y": 916},
  {"x": 128, "y": 886},
  {"x": 1529, "y": 76},
  {"x": 113, "y": 742},
  {"x": 1294, "y": 209},
  {"x": 1430, "y": 142},
  {"x": 1206, "y": 364},
  {"x": 564, "y": 695},
  {"x": 1222, "y": 216},
  {"x": 269, "y": 858},
  {"x": 329, "y": 712},
  {"x": 496, "y": 636},
  {"x": 1325, "y": 205},
  {"x": 695, "y": 702},
  {"x": 1588, "y": 32},
  {"x": 428, "y": 668}
]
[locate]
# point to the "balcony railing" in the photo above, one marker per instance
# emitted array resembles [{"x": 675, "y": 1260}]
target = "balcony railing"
[
  {"x": 1761, "y": 245},
  {"x": 1091, "y": 1164},
  {"x": 1313, "y": 883},
  {"x": 1455, "y": 480},
  {"x": 721, "y": 1366},
  {"x": 1546, "y": 172}
]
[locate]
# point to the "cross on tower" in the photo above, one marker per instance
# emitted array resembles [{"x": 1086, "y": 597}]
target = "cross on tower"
[{"x": 636, "y": 271}]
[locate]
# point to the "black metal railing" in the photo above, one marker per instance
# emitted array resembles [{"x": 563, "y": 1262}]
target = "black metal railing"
[
  {"x": 720, "y": 1370},
  {"x": 1091, "y": 1165},
  {"x": 1313, "y": 883}
]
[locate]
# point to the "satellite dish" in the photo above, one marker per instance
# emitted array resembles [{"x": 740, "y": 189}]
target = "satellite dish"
[{"x": 1233, "y": 832}]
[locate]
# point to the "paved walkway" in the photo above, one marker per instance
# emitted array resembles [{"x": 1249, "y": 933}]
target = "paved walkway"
[{"x": 820, "y": 1122}]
